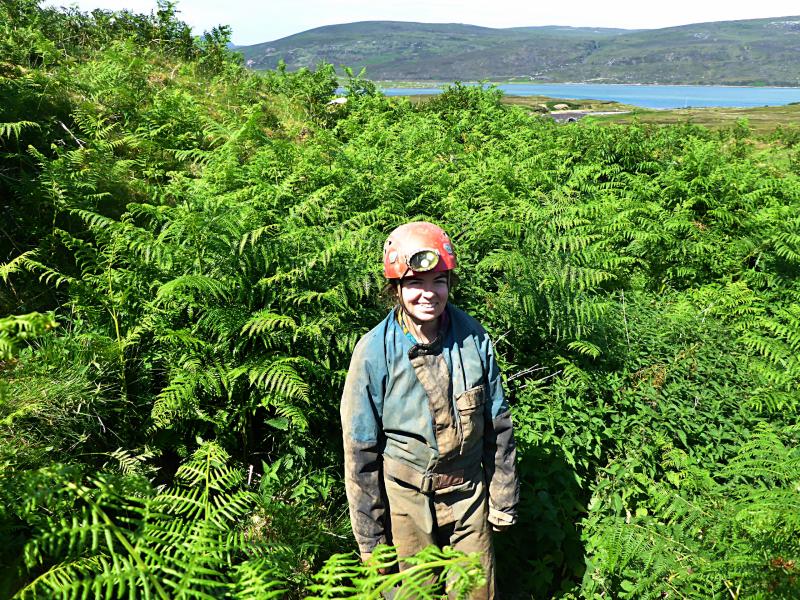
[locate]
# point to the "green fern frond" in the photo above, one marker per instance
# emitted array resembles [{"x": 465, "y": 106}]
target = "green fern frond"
[
  {"x": 130, "y": 462},
  {"x": 195, "y": 155},
  {"x": 16, "y": 264},
  {"x": 179, "y": 398},
  {"x": 287, "y": 412},
  {"x": 14, "y": 129},
  {"x": 47, "y": 274},
  {"x": 256, "y": 580},
  {"x": 280, "y": 377},
  {"x": 267, "y": 320},
  {"x": 176, "y": 543},
  {"x": 426, "y": 575},
  {"x": 585, "y": 348},
  {"x": 252, "y": 237},
  {"x": 184, "y": 285},
  {"x": 85, "y": 255},
  {"x": 183, "y": 339}
]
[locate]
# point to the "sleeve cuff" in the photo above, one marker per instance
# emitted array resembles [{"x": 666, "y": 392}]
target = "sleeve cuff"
[
  {"x": 502, "y": 519},
  {"x": 368, "y": 549}
]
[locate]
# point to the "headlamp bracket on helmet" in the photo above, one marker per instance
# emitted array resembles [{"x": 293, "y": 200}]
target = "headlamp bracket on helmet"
[{"x": 423, "y": 259}]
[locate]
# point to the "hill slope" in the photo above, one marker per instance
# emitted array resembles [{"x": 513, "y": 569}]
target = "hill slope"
[{"x": 751, "y": 52}]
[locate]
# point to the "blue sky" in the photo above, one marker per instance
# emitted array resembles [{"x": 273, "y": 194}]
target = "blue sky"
[{"x": 267, "y": 20}]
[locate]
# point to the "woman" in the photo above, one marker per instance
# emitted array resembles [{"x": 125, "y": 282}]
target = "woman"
[{"x": 429, "y": 446}]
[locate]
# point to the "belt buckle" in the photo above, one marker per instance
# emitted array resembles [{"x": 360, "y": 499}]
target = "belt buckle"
[{"x": 428, "y": 485}]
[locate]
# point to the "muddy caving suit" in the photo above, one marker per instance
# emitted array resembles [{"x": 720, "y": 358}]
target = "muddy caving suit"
[{"x": 427, "y": 432}]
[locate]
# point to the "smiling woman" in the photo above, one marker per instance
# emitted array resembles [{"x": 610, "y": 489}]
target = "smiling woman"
[
  {"x": 423, "y": 298},
  {"x": 429, "y": 445},
  {"x": 418, "y": 260}
]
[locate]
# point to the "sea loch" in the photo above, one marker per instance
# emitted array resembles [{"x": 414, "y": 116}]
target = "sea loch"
[{"x": 647, "y": 96}]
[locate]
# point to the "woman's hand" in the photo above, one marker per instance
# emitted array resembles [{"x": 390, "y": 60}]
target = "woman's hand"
[{"x": 366, "y": 556}]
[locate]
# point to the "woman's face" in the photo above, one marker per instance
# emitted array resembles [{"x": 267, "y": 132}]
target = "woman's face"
[{"x": 424, "y": 295}]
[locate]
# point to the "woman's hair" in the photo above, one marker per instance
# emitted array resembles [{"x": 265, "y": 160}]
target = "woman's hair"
[{"x": 388, "y": 293}]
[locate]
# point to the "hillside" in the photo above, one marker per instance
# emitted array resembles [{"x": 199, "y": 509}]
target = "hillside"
[{"x": 751, "y": 52}]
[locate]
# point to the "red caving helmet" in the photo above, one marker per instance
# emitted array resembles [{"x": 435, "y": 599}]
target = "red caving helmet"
[{"x": 417, "y": 247}]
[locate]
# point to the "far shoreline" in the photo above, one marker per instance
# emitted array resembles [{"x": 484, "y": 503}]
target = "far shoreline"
[
  {"x": 643, "y": 95},
  {"x": 421, "y": 84}
]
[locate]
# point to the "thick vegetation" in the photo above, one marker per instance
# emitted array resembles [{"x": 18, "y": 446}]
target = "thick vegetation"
[{"x": 189, "y": 253}]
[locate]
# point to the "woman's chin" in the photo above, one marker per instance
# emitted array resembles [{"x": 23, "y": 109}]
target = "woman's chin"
[{"x": 424, "y": 315}]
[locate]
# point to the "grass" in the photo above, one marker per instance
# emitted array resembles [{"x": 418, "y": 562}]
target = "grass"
[
  {"x": 541, "y": 104},
  {"x": 761, "y": 120},
  {"x": 535, "y": 103}
]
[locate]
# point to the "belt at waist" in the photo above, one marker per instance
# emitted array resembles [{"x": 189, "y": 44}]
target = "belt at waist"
[{"x": 429, "y": 481}]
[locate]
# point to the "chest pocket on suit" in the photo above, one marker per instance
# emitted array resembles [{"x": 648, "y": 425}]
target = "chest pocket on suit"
[{"x": 470, "y": 413}]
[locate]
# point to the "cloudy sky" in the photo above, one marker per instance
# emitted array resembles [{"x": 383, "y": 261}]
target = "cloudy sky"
[{"x": 267, "y": 20}]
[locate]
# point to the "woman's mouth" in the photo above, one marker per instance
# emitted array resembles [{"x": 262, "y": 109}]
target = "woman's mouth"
[{"x": 427, "y": 306}]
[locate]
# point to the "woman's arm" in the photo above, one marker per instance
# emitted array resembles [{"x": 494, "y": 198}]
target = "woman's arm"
[
  {"x": 499, "y": 448},
  {"x": 363, "y": 446}
]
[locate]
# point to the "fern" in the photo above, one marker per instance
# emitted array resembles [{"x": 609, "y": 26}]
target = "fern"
[
  {"x": 208, "y": 286},
  {"x": 18, "y": 328},
  {"x": 14, "y": 129},
  {"x": 16, "y": 265},
  {"x": 182, "y": 542},
  {"x": 172, "y": 544},
  {"x": 267, "y": 321},
  {"x": 425, "y": 576},
  {"x": 708, "y": 538}
]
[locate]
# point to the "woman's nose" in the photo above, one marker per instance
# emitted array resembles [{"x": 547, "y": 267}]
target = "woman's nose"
[{"x": 429, "y": 292}]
